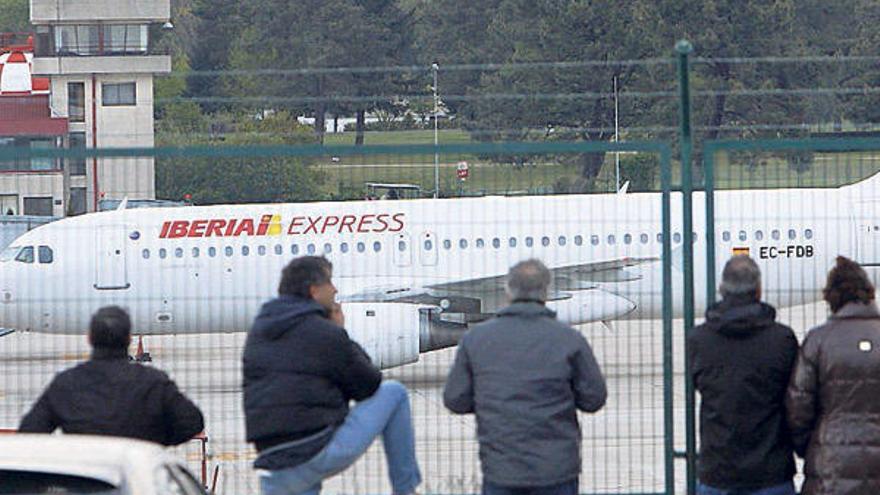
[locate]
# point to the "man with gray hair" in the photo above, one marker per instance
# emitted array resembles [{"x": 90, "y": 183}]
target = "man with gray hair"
[
  {"x": 525, "y": 374},
  {"x": 740, "y": 361}
]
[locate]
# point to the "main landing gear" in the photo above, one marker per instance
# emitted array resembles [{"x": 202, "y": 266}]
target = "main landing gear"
[{"x": 141, "y": 356}]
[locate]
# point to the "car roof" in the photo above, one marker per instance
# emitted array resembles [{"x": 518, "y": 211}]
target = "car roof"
[{"x": 105, "y": 458}]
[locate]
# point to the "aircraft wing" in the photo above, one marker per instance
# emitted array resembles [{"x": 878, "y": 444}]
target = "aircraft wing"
[{"x": 580, "y": 276}]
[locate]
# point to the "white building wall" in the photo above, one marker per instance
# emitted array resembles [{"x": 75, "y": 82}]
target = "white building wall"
[{"x": 35, "y": 185}]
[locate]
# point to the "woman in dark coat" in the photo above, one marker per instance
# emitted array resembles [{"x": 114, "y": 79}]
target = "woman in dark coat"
[{"x": 833, "y": 399}]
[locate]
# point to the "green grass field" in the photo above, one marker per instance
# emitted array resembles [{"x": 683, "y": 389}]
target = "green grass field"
[{"x": 445, "y": 136}]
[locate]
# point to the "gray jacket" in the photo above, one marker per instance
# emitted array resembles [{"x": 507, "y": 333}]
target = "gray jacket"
[{"x": 524, "y": 374}]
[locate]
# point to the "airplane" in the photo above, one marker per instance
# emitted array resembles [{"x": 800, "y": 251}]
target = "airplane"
[{"x": 414, "y": 275}]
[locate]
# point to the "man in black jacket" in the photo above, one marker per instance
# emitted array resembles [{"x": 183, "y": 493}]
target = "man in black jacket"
[
  {"x": 300, "y": 372},
  {"x": 741, "y": 360},
  {"x": 108, "y": 395}
]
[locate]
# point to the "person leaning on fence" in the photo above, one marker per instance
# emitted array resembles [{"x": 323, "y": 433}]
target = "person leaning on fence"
[
  {"x": 300, "y": 372},
  {"x": 832, "y": 401},
  {"x": 525, "y": 375},
  {"x": 110, "y": 395},
  {"x": 740, "y": 361}
]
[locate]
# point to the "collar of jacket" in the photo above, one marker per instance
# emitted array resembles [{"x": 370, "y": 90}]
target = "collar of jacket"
[
  {"x": 106, "y": 353},
  {"x": 857, "y": 310},
  {"x": 527, "y": 308}
]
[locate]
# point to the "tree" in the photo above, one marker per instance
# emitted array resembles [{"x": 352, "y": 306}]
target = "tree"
[{"x": 15, "y": 16}]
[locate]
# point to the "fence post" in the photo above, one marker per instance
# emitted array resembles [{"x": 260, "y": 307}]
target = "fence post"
[
  {"x": 684, "y": 49},
  {"x": 668, "y": 381}
]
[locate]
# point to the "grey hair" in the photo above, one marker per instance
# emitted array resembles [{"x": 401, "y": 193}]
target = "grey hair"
[
  {"x": 741, "y": 277},
  {"x": 528, "y": 280}
]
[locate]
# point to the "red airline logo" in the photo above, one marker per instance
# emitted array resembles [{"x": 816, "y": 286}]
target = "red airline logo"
[{"x": 270, "y": 225}]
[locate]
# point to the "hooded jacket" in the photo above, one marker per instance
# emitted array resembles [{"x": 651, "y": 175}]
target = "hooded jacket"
[
  {"x": 833, "y": 406},
  {"x": 740, "y": 361},
  {"x": 300, "y": 372},
  {"x": 525, "y": 375}
]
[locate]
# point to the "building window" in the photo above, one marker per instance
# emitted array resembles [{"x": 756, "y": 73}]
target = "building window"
[
  {"x": 77, "y": 203},
  {"x": 77, "y": 166},
  {"x": 76, "y": 101},
  {"x": 42, "y": 163},
  {"x": 76, "y": 40},
  {"x": 115, "y": 95},
  {"x": 9, "y": 204},
  {"x": 41, "y": 207},
  {"x": 125, "y": 39}
]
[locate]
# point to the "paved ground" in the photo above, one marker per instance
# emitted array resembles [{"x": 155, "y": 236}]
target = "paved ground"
[{"x": 622, "y": 448}]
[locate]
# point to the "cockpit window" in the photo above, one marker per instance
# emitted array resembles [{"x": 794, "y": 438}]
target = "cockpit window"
[
  {"x": 45, "y": 254},
  {"x": 9, "y": 253},
  {"x": 26, "y": 255}
]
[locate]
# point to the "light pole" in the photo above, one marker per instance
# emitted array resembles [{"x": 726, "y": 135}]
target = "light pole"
[
  {"x": 616, "y": 138},
  {"x": 434, "y": 68}
]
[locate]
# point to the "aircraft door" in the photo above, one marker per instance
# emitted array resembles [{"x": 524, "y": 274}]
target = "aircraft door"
[
  {"x": 867, "y": 222},
  {"x": 110, "y": 270},
  {"x": 402, "y": 250},
  {"x": 428, "y": 249}
]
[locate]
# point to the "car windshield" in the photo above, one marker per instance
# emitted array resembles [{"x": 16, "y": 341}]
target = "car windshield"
[
  {"x": 9, "y": 253},
  {"x": 27, "y": 482}
]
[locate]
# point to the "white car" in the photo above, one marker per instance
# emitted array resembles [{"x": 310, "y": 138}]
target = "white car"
[{"x": 74, "y": 464}]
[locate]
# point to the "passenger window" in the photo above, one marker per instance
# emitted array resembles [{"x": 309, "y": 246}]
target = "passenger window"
[
  {"x": 578, "y": 240},
  {"x": 294, "y": 249},
  {"x": 562, "y": 240},
  {"x": 310, "y": 249},
  {"x": 261, "y": 250},
  {"x": 212, "y": 252},
  {"x": 775, "y": 235},
  {"x": 361, "y": 247},
  {"x": 462, "y": 243},
  {"x": 792, "y": 234},
  {"x": 512, "y": 242},
  {"x": 759, "y": 235},
  {"x": 725, "y": 236},
  {"x": 611, "y": 239},
  {"x": 808, "y": 234},
  {"x": 447, "y": 244},
  {"x": 742, "y": 235},
  {"x": 178, "y": 252},
  {"x": 480, "y": 243},
  {"x": 401, "y": 246},
  {"x": 328, "y": 248},
  {"x": 162, "y": 253},
  {"x": 594, "y": 240},
  {"x": 146, "y": 254},
  {"x": 343, "y": 247},
  {"x": 45, "y": 254},
  {"x": 195, "y": 252},
  {"x": 676, "y": 237},
  {"x": 278, "y": 249},
  {"x": 245, "y": 250},
  {"x": 643, "y": 238},
  {"x": 659, "y": 237},
  {"x": 627, "y": 239},
  {"x": 377, "y": 246},
  {"x": 496, "y": 243},
  {"x": 228, "y": 251},
  {"x": 428, "y": 245},
  {"x": 545, "y": 241},
  {"x": 530, "y": 242}
]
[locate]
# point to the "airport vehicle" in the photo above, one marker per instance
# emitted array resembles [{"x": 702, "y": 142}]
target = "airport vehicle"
[
  {"x": 34, "y": 463},
  {"x": 413, "y": 275}
]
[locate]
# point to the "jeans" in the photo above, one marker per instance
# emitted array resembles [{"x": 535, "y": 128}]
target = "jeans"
[
  {"x": 386, "y": 413},
  {"x": 786, "y": 488},
  {"x": 566, "y": 488}
]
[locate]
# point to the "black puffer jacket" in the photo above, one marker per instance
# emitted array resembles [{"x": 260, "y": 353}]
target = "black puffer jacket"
[
  {"x": 741, "y": 359},
  {"x": 108, "y": 395},
  {"x": 833, "y": 403},
  {"x": 300, "y": 371}
]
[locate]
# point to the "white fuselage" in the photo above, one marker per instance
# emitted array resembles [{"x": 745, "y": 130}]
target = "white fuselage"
[{"x": 208, "y": 269}]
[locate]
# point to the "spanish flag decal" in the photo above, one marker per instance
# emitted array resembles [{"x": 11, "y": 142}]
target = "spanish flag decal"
[{"x": 740, "y": 251}]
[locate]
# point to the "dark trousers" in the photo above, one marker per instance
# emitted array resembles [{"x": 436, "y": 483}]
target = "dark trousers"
[{"x": 566, "y": 488}]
